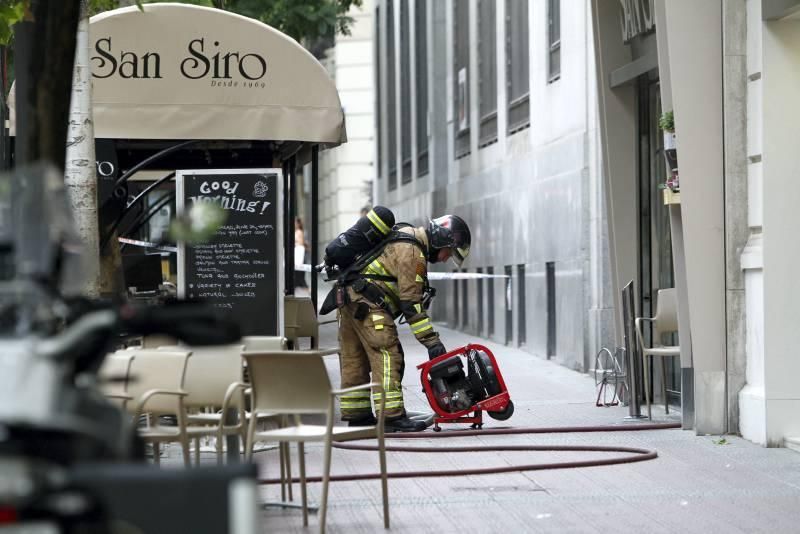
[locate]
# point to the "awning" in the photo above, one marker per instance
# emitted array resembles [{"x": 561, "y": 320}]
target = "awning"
[{"x": 178, "y": 71}]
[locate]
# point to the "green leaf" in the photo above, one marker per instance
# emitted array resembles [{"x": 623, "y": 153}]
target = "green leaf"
[{"x": 667, "y": 121}]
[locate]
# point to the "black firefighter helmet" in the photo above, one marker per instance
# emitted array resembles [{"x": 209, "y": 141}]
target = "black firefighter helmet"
[{"x": 449, "y": 231}]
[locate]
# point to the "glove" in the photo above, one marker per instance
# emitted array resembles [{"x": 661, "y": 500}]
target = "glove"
[{"x": 437, "y": 349}]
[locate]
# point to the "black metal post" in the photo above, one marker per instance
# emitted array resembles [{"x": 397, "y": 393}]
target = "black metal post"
[
  {"x": 291, "y": 215},
  {"x": 287, "y": 265},
  {"x": 314, "y": 223},
  {"x": 634, "y": 367},
  {"x": 5, "y": 143}
]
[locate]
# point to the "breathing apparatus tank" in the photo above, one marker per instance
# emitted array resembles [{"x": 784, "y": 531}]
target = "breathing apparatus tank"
[{"x": 360, "y": 238}]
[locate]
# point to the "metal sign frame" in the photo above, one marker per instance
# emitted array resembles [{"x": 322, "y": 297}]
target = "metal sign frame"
[{"x": 279, "y": 248}]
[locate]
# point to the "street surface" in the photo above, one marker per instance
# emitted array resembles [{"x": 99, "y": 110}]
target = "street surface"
[{"x": 697, "y": 484}]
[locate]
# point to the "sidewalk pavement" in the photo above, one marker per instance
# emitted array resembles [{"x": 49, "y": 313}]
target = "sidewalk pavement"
[{"x": 697, "y": 484}]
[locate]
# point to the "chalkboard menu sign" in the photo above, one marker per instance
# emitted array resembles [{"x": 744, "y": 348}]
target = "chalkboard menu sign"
[{"x": 240, "y": 269}]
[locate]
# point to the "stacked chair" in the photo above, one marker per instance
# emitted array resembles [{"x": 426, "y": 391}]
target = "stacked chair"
[
  {"x": 114, "y": 375},
  {"x": 224, "y": 391},
  {"x": 214, "y": 382}
]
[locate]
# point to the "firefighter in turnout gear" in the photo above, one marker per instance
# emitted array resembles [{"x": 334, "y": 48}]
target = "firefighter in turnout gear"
[{"x": 393, "y": 285}]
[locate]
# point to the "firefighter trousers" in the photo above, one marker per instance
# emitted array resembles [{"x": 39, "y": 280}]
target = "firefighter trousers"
[{"x": 370, "y": 345}]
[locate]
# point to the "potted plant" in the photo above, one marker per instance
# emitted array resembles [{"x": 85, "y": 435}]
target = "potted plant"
[{"x": 667, "y": 124}]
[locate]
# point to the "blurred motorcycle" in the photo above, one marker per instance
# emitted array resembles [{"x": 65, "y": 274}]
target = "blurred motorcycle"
[{"x": 63, "y": 446}]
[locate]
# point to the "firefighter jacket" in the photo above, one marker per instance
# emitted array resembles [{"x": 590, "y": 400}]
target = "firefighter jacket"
[{"x": 407, "y": 263}]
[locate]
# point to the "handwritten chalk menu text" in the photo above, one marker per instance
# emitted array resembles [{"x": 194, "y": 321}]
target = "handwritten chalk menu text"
[{"x": 239, "y": 269}]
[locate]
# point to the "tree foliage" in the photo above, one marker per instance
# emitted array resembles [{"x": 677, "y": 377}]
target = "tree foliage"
[
  {"x": 305, "y": 20},
  {"x": 11, "y": 12},
  {"x": 98, "y": 6}
]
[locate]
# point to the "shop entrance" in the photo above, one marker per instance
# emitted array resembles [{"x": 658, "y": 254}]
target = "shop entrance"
[{"x": 655, "y": 242}]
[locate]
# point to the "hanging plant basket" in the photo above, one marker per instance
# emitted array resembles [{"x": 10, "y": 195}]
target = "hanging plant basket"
[{"x": 667, "y": 124}]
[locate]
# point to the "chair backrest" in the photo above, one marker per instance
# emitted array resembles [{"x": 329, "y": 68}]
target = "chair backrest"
[
  {"x": 288, "y": 383},
  {"x": 114, "y": 373},
  {"x": 209, "y": 373},
  {"x": 666, "y": 318},
  {"x": 157, "y": 369},
  {"x": 300, "y": 319},
  {"x": 154, "y": 341},
  {"x": 264, "y": 343}
]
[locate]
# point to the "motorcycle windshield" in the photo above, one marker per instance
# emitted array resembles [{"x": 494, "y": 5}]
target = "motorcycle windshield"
[{"x": 38, "y": 239}]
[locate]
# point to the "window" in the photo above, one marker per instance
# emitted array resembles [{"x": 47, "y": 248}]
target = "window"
[
  {"x": 509, "y": 317},
  {"x": 464, "y": 302},
  {"x": 405, "y": 92},
  {"x": 421, "y": 45},
  {"x": 479, "y": 328},
  {"x": 517, "y": 65},
  {"x": 487, "y": 69},
  {"x": 521, "y": 326},
  {"x": 456, "y": 300},
  {"x": 378, "y": 91},
  {"x": 490, "y": 300},
  {"x": 550, "y": 285},
  {"x": 460, "y": 76},
  {"x": 554, "y": 40},
  {"x": 391, "y": 120}
]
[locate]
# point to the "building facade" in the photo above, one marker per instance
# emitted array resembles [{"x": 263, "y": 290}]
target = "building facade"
[
  {"x": 346, "y": 173},
  {"x": 539, "y": 123},
  {"x": 728, "y": 69},
  {"x": 487, "y": 109}
]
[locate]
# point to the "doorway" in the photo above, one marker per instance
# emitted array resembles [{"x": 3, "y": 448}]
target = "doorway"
[{"x": 655, "y": 240}]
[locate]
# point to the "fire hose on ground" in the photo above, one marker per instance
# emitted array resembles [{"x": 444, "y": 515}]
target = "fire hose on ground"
[{"x": 631, "y": 454}]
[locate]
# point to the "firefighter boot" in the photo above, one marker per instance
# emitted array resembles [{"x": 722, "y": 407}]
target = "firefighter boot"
[
  {"x": 404, "y": 424},
  {"x": 367, "y": 420}
]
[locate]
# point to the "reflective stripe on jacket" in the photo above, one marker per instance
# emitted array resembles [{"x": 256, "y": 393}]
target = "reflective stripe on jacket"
[{"x": 408, "y": 264}]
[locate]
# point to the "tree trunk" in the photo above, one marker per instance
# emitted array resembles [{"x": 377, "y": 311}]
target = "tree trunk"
[
  {"x": 103, "y": 274},
  {"x": 79, "y": 177},
  {"x": 45, "y": 50}
]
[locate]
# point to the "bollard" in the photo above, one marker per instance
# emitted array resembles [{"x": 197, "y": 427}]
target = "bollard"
[{"x": 632, "y": 360}]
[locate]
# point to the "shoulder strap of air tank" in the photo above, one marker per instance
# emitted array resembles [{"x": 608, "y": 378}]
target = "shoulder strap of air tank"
[{"x": 354, "y": 271}]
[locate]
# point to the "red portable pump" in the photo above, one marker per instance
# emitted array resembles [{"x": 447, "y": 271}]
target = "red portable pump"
[{"x": 454, "y": 394}]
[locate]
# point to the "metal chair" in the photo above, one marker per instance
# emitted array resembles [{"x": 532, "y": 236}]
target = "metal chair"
[
  {"x": 300, "y": 320},
  {"x": 156, "y": 387},
  {"x": 271, "y": 344},
  {"x": 296, "y": 383},
  {"x": 214, "y": 380},
  {"x": 664, "y": 322},
  {"x": 114, "y": 375}
]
